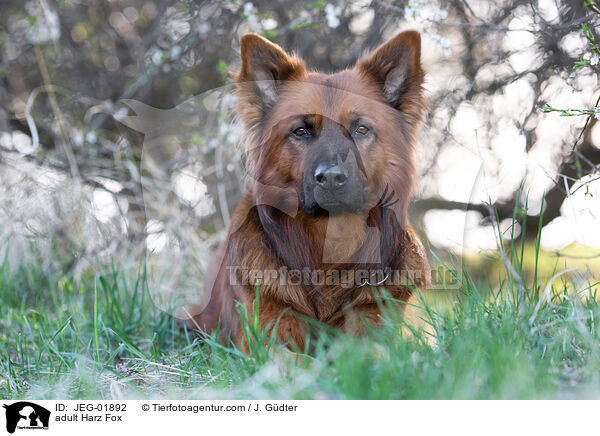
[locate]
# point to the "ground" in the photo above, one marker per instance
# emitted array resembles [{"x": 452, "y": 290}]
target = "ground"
[{"x": 101, "y": 337}]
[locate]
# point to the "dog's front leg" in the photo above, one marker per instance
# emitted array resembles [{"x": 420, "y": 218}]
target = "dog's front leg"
[
  {"x": 358, "y": 318},
  {"x": 275, "y": 314}
]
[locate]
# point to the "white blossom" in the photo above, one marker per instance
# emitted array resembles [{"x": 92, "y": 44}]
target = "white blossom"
[
  {"x": 91, "y": 137},
  {"x": 269, "y": 24},
  {"x": 442, "y": 42},
  {"x": 157, "y": 57},
  {"x": 175, "y": 51},
  {"x": 78, "y": 138},
  {"x": 45, "y": 26},
  {"x": 250, "y": 12},
  {"x": 422, "y": 11},
  {"x": 331, "y": 15},
  {"x": 592, "y": 58},
  {"x": 248, "y": 7}
]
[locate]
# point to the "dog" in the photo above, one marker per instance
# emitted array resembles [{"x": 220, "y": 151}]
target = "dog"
[{"x": 323, "y": 227}]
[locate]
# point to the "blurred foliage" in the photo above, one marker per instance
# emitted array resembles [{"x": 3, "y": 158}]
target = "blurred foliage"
[{"x": 66, "y": 66}]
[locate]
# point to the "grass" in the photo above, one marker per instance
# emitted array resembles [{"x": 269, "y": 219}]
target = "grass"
[{"x": 102, "y": 337}]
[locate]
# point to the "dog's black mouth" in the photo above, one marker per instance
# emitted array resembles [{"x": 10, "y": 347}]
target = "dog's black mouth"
[
  {"x": 330, "y": 207},
  {"x": 337, "y": 207},
  {"x": 314, "y": 210},
  {"x": 318, "y": 203}
]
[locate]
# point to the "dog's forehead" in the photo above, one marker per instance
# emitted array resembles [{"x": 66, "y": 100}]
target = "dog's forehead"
[{"x": 334, "y": 96}]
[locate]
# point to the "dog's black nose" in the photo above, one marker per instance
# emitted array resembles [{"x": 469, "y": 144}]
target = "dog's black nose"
[{"x": 331, "y": 176}]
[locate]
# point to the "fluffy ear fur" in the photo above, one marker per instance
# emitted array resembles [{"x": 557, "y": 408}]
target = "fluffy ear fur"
[
  {"x": 264, "y": 66},
  {"x": 396, "y": 66}
]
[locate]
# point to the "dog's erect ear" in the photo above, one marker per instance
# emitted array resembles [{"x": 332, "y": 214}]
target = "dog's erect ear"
[
  {"x": 264, "y": 66},
  {"x": 396, "y": 66}
]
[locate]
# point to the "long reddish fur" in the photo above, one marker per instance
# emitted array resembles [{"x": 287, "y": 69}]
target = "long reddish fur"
[{"x": 262, "y": 237}]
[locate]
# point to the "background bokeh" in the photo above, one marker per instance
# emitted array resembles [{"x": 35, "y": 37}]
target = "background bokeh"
[{"x": 74, "y": 189}]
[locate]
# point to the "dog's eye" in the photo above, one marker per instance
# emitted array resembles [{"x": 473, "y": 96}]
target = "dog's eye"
[
  {"x": 362, "y": 129},
  {"x": 300, "y": 131}
]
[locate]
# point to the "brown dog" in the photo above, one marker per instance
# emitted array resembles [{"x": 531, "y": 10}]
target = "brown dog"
[{"x": 325, "y": 221}]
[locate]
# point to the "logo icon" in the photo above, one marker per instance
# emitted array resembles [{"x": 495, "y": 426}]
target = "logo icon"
[{"x": 26, "y": 415}]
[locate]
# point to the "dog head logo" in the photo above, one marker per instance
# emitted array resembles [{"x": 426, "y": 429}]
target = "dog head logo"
[{"x": 26, "y": 415}]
